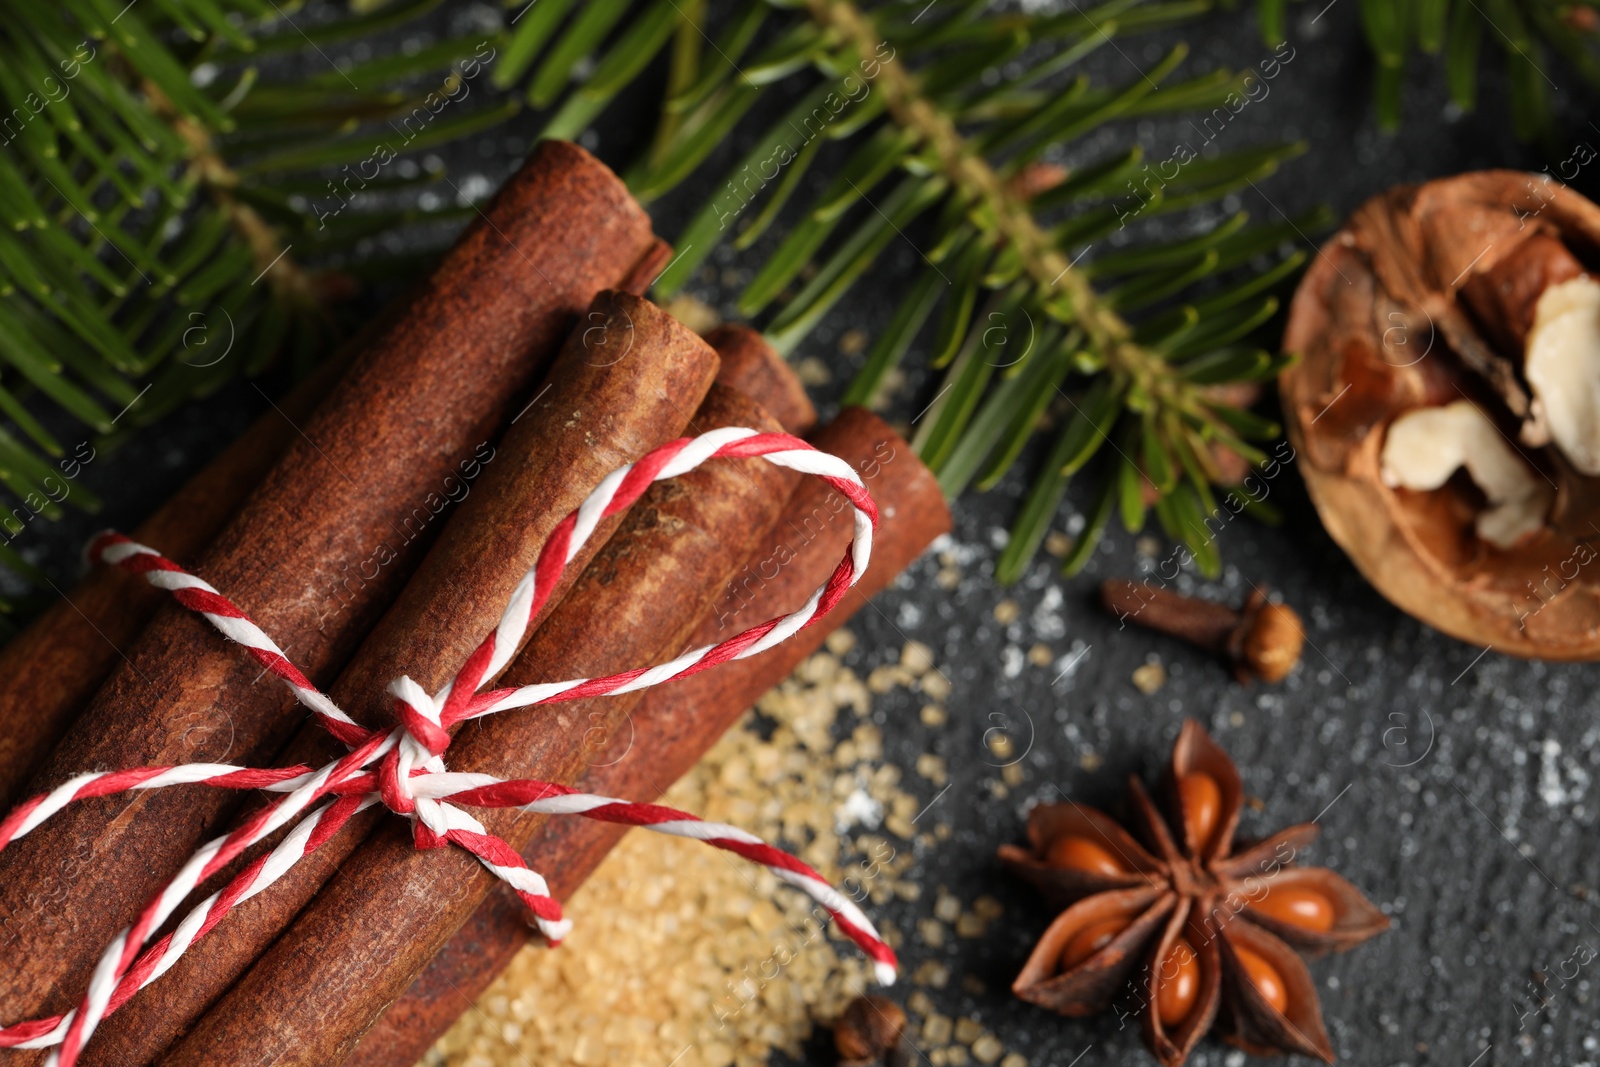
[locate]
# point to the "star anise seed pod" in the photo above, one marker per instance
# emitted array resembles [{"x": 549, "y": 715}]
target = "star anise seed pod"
[{"x": 1172, "y": 921}]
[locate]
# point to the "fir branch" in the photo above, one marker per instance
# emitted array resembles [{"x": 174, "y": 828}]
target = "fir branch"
[
  {"x": 1525, "y": 31},
  {"x": 1004, "y": 215},
  {"x": 126, "y": 209},
  {"x": 968, "y": 155},
  {"x": 289, "y": 281}
]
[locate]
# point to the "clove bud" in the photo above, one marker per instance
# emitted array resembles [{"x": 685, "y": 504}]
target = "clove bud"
[
  {"x": 872, "y": 1031},
  {"x": 1260, "y": 640}
]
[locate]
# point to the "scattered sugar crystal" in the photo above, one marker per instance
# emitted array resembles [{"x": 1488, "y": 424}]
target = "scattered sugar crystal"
[
  {"x": 858, "y": 809},
  {"x": 936, "y": 1029},
  {"x": 813, "y": 371},
  {"x": 916, "y": 657},
  {"x": 987, "y": 1048},
  {"x": 1046, "y": 619},
  {"x": 1149, "y": 678}
]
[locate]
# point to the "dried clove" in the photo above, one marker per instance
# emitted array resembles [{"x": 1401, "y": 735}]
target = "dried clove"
[
  {"x": 872, "y": 1032},
  {"x": 1260, "y": 639}
]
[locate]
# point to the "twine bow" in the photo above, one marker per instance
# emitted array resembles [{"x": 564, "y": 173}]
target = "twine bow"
[{"x": 402, "y": 767}]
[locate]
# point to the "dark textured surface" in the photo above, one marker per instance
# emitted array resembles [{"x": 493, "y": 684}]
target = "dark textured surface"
[{"x": 1455, "y": 791}]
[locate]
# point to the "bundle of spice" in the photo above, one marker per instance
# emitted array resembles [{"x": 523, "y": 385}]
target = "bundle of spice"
[
  {"x": 1446, "y": 405},
  {"x": 588, "y": 382},
  {"x": 1173, "y": 924},
  {"x": 391, "y": 909},
  {"x": 427, "y": 392},
  {"x": 599, "y": 410},
  {"x": 352, "y": 493},
  {"x": 624, "y": 383}
]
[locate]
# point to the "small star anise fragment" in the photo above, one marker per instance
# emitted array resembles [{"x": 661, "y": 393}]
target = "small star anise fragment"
[{"x": 1170, "y": 922}]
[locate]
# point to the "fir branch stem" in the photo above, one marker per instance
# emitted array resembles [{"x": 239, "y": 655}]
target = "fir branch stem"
[
  {"x": 289, "y": 281},
  {"x": 979, "y": 183}
]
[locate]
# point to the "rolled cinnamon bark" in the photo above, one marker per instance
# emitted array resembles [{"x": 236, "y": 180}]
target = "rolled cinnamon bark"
[
  {"x": 625, "y": 382},
  {"x": 314, "y": 555},
  {"x": 676, "y": 723},
  {"x": 751, "y": 366},
  {"x": 53, "y": 667},
  {"x": 374, "y": 927}
]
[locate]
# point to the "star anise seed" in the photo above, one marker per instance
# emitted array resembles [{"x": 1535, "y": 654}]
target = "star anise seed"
[{"x": 1171, "y": 920}]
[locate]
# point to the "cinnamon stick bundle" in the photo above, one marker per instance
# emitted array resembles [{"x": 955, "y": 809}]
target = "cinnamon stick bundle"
[
  {"x": 349, "y": 507},
  {"x": 625, "y": 382},
  {"x": 374, "y": 927},
  {"x": 676, "y": 723}
]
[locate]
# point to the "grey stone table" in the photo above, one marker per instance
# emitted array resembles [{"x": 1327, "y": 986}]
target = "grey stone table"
[{"x": 1454, "y": 788}]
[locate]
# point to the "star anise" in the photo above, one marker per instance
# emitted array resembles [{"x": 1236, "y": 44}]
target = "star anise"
[{"x": 1176, "y": 924}]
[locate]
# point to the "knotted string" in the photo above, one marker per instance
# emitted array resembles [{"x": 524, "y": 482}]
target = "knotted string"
[{"x": 402, "y": 767}]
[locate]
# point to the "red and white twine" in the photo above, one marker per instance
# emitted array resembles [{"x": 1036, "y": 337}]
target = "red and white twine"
[{"x": 402, "y": 767}]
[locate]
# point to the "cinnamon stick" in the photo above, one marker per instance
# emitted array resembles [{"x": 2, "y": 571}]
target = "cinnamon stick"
[
  {"x": 625, "y": 382},
  {"x": 359, "y": 485},
  {"x": 676, "y": 723},
  {"x": 752, "y": 367},
  {"x": 367, "y": 934},
  {"x": 53, "y": 667}
]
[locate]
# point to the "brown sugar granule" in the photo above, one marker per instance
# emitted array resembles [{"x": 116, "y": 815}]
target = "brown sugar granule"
[{"x": 1149, "y": 678}]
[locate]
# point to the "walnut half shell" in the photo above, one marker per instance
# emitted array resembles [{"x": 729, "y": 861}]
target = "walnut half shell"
[{"x": 1430, "y": 298}]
